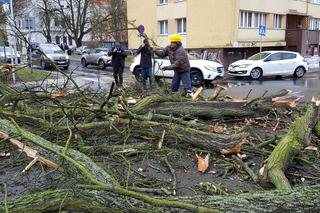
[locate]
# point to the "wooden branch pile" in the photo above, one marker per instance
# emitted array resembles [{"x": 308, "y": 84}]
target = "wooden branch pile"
[{"x": 119, "y": 153}]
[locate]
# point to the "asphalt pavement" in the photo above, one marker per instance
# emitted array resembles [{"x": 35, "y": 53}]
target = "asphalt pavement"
[{"x": 307, "y": 86}]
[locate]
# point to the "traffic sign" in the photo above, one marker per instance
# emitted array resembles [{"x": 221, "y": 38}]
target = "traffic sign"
[
  {"x": 4, "y": 1},
  {"x": 262, "y": 30},
  {"x": 140, "y": 28}
]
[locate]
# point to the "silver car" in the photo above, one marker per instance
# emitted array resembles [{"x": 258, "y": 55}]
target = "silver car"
[
  {"x": 52, "y": 54},
  {"x": 82, "y": 49},
  {"x": 5, "y": 55},
  {"x": 98, "y": 56}
]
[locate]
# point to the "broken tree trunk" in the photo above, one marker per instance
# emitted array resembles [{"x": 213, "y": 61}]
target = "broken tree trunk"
[
  {"x": 301, "y": 200},
  {"x": 296, "y": 139},
  {"x": 89, "y": 174},
  {"x": 209, "y": 110},
  {"x": 174, "y": 133}
]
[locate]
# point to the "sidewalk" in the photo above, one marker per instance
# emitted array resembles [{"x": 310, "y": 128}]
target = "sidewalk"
[{"x": 314, "y": 69}]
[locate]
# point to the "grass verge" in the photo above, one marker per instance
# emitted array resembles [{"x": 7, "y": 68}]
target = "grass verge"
[{"x": 26, "y": 74}]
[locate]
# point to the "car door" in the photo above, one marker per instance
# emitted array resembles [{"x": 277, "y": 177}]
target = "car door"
[
  {"x": 290, "y": 63},
  {"x": 162, "y": 62},
  {"x": 272, "y": 65},
  {"x": 90, "y": 56}
]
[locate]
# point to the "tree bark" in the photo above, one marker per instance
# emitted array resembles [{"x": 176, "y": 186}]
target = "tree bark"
[
  {"x": 174, "y": 133},
  {"x": 299, "y": 200},
  {"x": 296, "y": 139}
]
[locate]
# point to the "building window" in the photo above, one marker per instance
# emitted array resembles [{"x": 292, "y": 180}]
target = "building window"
[
  {"x": 252, "y": 19},
  {"x": 277, "y": 21},
  {"x": 182, "y": 25},
  {"x": 163, "y": 27},
  {"x": 28, "y": 23},
  {"x": 314, "y": 24},
  {"x": 163, "y": 1},
  {"x": 314, "y": 1}
]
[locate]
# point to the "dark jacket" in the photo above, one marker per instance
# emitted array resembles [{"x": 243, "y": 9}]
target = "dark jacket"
[
  {"x": 178, "y": 58},
  {"x": 118, "y": 57},
  {"x": 146, "y": 56}
]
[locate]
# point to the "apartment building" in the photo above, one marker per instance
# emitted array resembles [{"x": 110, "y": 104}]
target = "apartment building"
[{"x": 229, "y": 30}]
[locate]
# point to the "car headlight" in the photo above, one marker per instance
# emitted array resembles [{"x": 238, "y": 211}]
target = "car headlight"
[
  {"x": 244, "y": 65},
  {"x": 210, "y": 68},
  {"x": 67, "y": 57}
]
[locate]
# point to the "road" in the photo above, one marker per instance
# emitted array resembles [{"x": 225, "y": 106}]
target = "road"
[{"x": 307, "y": 86}]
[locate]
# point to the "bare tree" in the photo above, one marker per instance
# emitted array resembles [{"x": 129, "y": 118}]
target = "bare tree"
[
  {"x": 2, "y": 22},
  {"x": 118, "y": 23},
  {"x": 111, "y": 24},
  {"x": 76, "y": 18},
  {"x": 46, "y": 11}
]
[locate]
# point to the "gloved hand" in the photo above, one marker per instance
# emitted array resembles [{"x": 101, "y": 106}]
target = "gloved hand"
[{"x": 164, "y": 68}]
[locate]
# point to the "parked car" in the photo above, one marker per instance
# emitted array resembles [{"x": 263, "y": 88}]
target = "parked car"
[
  {"x": 5, "y": 55},
  {"x": 201, "y": 70},
  {"x": 82, "y": 49},
  {"x": 270, "y": 63},
  {"x": 45, "y": 54},
  {"x": 98, "y": 56}
]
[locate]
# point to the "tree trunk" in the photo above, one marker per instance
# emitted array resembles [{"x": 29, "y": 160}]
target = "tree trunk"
[
  {"x": 174, "y": 133},
  {"x": 296, "y": 139},
  {"x": 299, "y": 200},
  {"x": 177, "y": 106}
]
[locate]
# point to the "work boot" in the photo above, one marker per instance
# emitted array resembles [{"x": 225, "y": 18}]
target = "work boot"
[{"x": 189, "y": 94}]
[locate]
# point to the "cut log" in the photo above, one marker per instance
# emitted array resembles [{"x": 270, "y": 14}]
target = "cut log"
[{"x": 296, "y": 140}]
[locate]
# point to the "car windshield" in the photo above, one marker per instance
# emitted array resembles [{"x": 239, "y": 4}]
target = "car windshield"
[
  {"x": 50, "y": 48},
  {"x": 259, "y": 56}
]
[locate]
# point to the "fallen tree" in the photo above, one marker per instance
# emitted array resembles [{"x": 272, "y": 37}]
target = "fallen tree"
[
  {"x": 296, "y": 139},
  {"x": 157, "y": 127}
]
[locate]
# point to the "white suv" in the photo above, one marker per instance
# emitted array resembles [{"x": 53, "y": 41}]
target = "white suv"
[
  {"x": 270, "y": 63},
  {"x": 201, "y": 70}
]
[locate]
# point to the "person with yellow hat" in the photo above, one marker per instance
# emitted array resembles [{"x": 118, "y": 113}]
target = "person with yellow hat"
[{"x": 179, "y": 63}]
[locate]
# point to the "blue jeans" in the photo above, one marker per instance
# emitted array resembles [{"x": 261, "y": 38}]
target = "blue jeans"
[
  {"x": 146, "y": 72},
  {"x": 185, "y": 78}
]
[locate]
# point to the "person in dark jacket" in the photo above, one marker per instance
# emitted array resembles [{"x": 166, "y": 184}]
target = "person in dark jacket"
[
  {"x": 117, "y": 62},
  {"x": 146, "y": 63},
  {"x": 179, "y": 63}
]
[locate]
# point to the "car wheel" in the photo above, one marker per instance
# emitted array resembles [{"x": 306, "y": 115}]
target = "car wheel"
[
  {"x": 299, "y": 72},
  {"x": 196, "y": 77},
  {"x": 43, "y": 65},
  {"x": 101, "y": 64},
  {"x": 66, "y": 68},
  {"x": 256, "y": 73},
  {"x": 137, "y": 74},
  {"x": 84, "y": 62}
]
